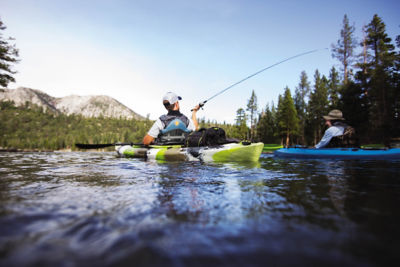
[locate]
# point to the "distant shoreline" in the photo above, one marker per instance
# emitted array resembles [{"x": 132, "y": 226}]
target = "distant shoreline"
[
  {"x": 6, "y": 150},
  {"x": 32, "y": 150}
]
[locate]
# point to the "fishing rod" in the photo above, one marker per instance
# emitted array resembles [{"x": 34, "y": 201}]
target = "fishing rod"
[{"x": 201, "y": 104}]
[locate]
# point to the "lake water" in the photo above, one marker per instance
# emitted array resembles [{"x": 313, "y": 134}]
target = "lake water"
[{"x": 94, "y": 209}]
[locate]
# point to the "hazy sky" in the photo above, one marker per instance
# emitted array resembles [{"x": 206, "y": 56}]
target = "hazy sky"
[{"x": 135, "y": 51}]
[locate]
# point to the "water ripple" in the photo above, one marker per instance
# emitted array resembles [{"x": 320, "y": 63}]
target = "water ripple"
[{"x": 80, "y": 209}]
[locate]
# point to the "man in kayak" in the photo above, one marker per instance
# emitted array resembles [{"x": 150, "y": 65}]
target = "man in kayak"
[
  {"x": 173, "y": 120},
  {"x": 338, "y": 134}
]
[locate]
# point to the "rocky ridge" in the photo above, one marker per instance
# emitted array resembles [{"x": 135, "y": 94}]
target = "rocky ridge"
[{"x": 87, "y": 106}]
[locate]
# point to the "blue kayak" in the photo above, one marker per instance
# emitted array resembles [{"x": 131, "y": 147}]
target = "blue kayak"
[{"x": 338, "y": 153}]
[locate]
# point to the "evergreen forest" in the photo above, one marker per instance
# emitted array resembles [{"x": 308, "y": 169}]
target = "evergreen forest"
[{"x": 366, "y": 88}]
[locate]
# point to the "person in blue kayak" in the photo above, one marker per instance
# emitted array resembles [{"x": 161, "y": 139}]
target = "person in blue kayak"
[
  {"x": 173, "y": 127},
  {"x": 338, "y": 134}
]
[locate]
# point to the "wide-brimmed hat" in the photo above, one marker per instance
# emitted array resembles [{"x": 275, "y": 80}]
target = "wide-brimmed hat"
[
  {"x": 171, "y": 97},
  {"x": 334, "y": 114}
]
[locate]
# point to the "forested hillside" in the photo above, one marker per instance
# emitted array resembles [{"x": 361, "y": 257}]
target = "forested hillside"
[{"x": 31, "y": 128}]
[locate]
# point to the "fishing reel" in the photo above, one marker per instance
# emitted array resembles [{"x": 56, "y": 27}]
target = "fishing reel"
[{"x": 201, "y": 104}]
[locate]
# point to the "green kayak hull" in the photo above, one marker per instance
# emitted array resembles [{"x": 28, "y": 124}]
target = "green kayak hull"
[{"x": 232, "y": 152}]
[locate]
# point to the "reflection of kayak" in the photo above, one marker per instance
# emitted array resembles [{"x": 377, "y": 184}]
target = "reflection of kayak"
[
  {"x": 339, "y": 153},
  {"x": 222, "y": 153}
]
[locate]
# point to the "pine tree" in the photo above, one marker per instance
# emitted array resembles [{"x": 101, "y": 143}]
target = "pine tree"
[
  {"x": 301, "y": 94},
  {"x": 252, "y": 109},
  {"x": 317, "y": 107},
  {"x": 8, "y": 56},
  {"x": 266, "y": 126},
  {"x": 333, "y": 89},
  {"x": 241, "y": 126},
  {"x": 363, "y": 56},
  {"x": 381, "y": 90},
  {"x": 288, "y": 121},
  {"x": 344, "y": 48},
  {"x": 396, "y": 120},
  {"x": 379, "y": 42}
]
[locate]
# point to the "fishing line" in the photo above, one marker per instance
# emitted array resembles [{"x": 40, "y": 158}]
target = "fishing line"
[{"x": 258, "y": 72}]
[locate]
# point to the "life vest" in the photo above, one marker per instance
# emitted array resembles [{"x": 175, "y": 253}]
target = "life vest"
[
  {"x": 175, "y": 130},
  {"x": 347, "y": 139}
]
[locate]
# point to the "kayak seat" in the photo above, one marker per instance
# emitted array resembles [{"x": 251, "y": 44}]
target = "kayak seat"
[
  {"x": 176, "y": 124},
  {"x": 175, "y": 133}
]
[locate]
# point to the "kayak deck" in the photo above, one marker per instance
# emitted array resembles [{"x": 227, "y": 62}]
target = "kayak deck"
[
  {"x": 338, "y": 153},
  {"x": 232, "y": 152}
]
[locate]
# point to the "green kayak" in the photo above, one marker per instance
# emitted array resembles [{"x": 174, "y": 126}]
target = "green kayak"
[{"x": 243, "y": 152}]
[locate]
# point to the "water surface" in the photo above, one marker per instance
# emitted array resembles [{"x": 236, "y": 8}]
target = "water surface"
[{"x": 94, "y": 209}]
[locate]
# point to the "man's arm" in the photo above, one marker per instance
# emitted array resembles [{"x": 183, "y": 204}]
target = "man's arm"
[
  {"x": 194, "y": 119},
  {"x": 153, "y": 133},
  {"x": 329, "y": 133},
  {"x": 325, "y": 140}
]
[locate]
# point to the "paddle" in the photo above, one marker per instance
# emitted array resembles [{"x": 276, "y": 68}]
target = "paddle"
[{"x": 95, "y": 146}]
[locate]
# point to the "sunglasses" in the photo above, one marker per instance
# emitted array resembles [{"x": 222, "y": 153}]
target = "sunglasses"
[{"x": 167, "y": 105}]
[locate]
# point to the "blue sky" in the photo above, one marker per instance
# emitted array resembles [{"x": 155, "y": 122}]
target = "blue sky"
[{"x": 135, "y": 51}]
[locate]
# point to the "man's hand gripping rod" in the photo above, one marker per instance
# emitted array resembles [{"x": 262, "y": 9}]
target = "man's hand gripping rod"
[{"x": 201, "y": 105}]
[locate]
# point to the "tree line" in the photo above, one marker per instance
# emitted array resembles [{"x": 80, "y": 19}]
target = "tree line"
[
  {"x": 29, "y": 127},
  {"x": 366, "y": 90}
]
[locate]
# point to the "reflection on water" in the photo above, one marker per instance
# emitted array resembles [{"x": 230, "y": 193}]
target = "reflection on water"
[{"x": 95, "y": 209}]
